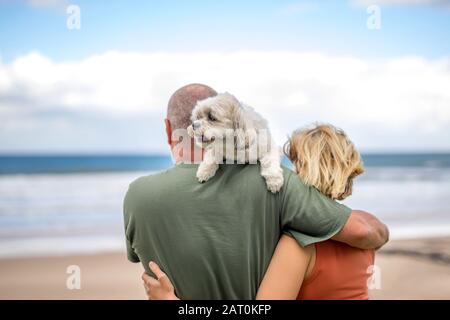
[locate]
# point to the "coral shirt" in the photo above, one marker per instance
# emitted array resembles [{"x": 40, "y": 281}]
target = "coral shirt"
[{"x": 340, "y": 272}]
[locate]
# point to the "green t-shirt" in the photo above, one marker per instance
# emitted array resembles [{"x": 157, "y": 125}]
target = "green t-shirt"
[{"x": 215, "y": 240}]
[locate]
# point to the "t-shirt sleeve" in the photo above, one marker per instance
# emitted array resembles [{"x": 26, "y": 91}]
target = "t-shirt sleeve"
[
  {"x": 309, "y": 216},
  {"x": 131, "y": 255},
  {"x": 129, "y": 227}
]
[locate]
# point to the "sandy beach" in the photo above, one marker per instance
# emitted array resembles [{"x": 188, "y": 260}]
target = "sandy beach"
[{"x": 410, "y": 269}]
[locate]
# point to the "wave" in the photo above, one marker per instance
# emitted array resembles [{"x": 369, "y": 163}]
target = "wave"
[
  {"x": 41, "y": 164},
  {"x": 82, "y": 212}
]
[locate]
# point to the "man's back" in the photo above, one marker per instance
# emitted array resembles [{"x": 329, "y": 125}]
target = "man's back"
[{"x": 215, "y": 240}]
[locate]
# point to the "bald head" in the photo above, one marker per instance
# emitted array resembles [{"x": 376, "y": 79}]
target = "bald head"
[{"x": 183, "y": 101}]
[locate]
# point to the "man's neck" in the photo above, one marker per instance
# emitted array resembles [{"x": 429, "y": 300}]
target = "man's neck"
[{"x": 186, "y": 154}]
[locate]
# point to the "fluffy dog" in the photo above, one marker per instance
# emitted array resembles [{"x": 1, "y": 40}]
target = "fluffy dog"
[{"x": 227, "y": 129}]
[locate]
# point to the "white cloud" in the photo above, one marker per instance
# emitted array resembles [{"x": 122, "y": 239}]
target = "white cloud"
[
  {"x": 48, "y": 3},
  {"x": 395, "y": 103},
  {"x": 58, "y": 6},
  {"x": 440, "y": 3}
]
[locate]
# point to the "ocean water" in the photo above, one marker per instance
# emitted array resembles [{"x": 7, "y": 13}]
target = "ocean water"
[{"x": 73, "y": 204}]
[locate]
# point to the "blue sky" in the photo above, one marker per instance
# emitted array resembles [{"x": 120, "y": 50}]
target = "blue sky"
[
  {"x": 335, "y": 27},
  {"x": 36, "y": 50}
]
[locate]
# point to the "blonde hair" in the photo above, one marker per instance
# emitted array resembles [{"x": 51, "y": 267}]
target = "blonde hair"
[{"x": 325, "y": 158}]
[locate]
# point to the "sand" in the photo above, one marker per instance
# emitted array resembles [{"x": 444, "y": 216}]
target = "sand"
[
  {"x": 103, "y": 276},
  {"x": 414, "y": 269},
  {"x": 410, "y": 269}
]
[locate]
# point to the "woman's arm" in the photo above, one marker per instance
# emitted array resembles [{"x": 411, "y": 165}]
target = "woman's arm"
[{"x": 289, "y": 266}]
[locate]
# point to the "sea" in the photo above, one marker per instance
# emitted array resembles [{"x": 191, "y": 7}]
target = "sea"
[{"x": 72, "y": 204}]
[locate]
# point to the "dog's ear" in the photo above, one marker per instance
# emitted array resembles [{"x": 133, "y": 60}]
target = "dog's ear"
[
  {"x": 245, "y": 135},
  {"x": 240, "y": 139},
  {"x": 230, "y": 101},
  {"x": 239, "y": 121},
  {"x": 245, "y": 138},
  {"x": 190, "y": 131}
]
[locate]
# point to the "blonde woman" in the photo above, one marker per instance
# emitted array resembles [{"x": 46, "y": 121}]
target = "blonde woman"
[{"x": 325, "y": 158}]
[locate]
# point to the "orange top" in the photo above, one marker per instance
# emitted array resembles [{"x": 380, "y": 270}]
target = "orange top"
[{"x": 339, "y": 273}]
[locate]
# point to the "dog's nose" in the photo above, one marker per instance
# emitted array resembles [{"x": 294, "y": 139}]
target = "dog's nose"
[{"x": 196, "y": 125}]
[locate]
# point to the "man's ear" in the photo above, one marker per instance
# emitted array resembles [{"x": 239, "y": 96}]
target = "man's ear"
[{"x": 168, "y": 131}]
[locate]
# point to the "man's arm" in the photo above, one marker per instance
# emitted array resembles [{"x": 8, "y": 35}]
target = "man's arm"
[
  {"x": 363, "y": 231},
  {"x": 309, "y": 217}
]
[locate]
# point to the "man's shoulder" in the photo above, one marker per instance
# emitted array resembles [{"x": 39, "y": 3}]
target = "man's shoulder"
[
  {"x": 149, "y": 185},
  {"x": 145, "y": 192},
  {"x": 292, "y": 182},
  {"x": 152, "y": 180},
  {"x": 289, "y": 176},
  {"x": 287, "y": 172},
  {"x": 252, "y": 175},
  {"x": 253, "y": 169}
]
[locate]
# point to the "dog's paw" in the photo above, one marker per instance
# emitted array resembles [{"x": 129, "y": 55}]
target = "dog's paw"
[
  {"x": 205, "y": 175},
  {"x": 274, "y": 182}
]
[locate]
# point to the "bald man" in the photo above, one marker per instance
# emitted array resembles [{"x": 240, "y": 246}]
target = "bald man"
[{"x": 215, "y": 240}]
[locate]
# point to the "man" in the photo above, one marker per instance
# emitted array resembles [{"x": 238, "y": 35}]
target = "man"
[{"x": 215, "y": 240}]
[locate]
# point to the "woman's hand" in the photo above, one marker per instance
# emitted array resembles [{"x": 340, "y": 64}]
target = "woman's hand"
[{"x": 160, "y": 288}]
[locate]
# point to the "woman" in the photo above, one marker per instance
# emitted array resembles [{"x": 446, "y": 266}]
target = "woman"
[{"x": 325, "y": 158}]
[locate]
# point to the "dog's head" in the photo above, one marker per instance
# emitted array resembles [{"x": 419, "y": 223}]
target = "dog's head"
[{"x": 214, "y": 118}]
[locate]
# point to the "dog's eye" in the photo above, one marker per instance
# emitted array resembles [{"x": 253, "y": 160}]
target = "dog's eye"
[{"x": 211, "y": 117}]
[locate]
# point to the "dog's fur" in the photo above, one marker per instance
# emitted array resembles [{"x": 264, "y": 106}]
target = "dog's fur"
[{"x": 220, "y": 119}]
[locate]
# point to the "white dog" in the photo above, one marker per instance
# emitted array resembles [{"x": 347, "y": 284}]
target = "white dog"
[{"x": 222, "y": 121}]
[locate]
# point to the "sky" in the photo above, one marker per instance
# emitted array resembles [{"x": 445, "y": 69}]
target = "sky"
[{"x": 103, "y": 88}]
